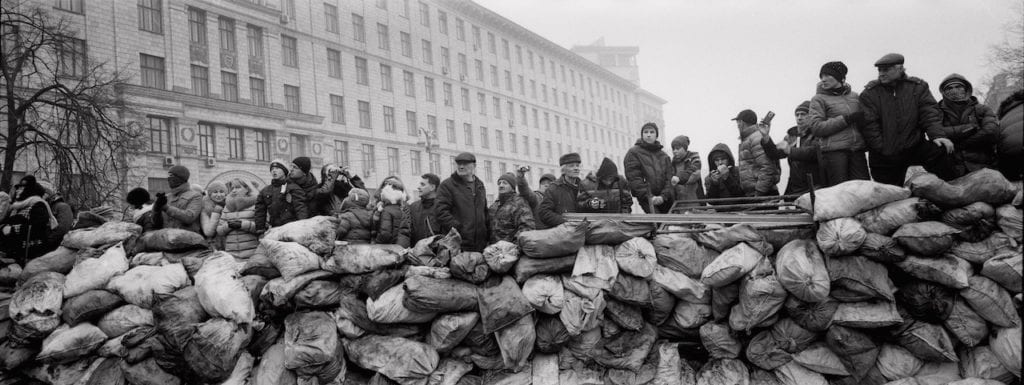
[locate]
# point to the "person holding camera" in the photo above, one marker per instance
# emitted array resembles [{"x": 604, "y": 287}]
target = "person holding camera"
[
  {"x": 723, "y": 180},
  {"x": 335, "y": 183},
  {"x": 237, "y": 225},
  {"x": 605, "y": 192},
  {"x": 560, "y": 197}
]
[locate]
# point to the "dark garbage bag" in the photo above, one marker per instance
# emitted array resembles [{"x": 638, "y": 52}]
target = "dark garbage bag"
[
  {"x": 60, "y": 260},
  {"x": 516, "y": 343},
  {"x": 662, "y": 305},
  {"x": 882, "y": 249},
  {"x": 310, "y": 341},
  {"x": 813, "y": 316},
  {"x": 720, "y": 340},
  {"x": 855, "y": 349},
  {"x": 501, "y": 303},
  {"x": 528, "y": 267},
  {"x": 857, "y": 279},
  {"x": 404, "y": 361},
  {"x": 551, "y": 334},
  {"x": 926, "y": 238},
  {"x": 680, "y": 252},
  {"x": 766, "y": 353},
  {"x": 425, "y": 294},
  {"x": 631, "y": 290},
  {"x": 319, "y": 294},
  {"x": 214, "y": 348},
  {"x": 435, "y": 251},
  {"x": 469, "y": 266},
  {"x": 89, "y": 306},
  {"x": 975, "y": 221},
  {"x": 723, "y": 239},
  {"x": 926, "y": 301},
  {"x": 613, "y": 232},
  {"x": 13, "y": 355},
  {"x": 984, "y": 185},
  {"x": 626, "y": 316},
  {"x": 557, "y": 241},
  {"x": 885, "y": 219},
  {"x": 449, "y": 330},
  {"x": 170, "y": 240},
  {"x": 175, "y": 314},
  {"x": 481, "y": 343},
  {"x": 264, "y": 337},
  {"x": 722, "y": 300},
  {"x": 376, "y": 283},
  {"x": 627, "y": 350}
]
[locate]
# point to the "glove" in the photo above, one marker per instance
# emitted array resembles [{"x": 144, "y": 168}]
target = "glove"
[
  {"x": 7, "y": 230},
  {"x": 675, "y": 179},
  {"x": 218, "y": 209},
  {"x": 161, "y": 201},
  {"x": 234, "y": 224},
  {"x": 854, "y": 117},
  {"x": 657, "y": 200}
]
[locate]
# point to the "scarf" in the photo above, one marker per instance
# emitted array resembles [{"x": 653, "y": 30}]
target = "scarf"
[
  {"x": 140, "y": 212},
  {"x": 27, "y": 203},
  {"x": 505, "y": 196}
]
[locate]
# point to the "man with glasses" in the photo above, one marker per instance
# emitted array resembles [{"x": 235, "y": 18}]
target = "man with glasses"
[{"x": 898, "y": 111}]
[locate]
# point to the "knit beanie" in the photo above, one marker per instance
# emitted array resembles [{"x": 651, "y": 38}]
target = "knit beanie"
[
  {"x": 303, "y": 163},
  {"x": 279, "y": 164},
  {"x": 650, "y": 125},
  {"x": 510, "y": 178},
  {"x": 359, "y": 197},
  {"x": 547, "y": 177},
  {"x": 571, "y": 157},
  {"x": 180, "y": 172},
  {"x": 681, "y": 141},
  {"x": 138, "y": 196},
  {"x": 804, "y": 107},
  {"x": 835, "y": 69},
  {"x": 216, "y": 186}
]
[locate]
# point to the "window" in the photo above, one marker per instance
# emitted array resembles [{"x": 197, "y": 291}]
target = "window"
[
  {"x": 494, "y": 76},
  {"x": 502, "y": 168},
  {"x": 333, "y": 63},
  {"x": 526, "y": 145},
  {"x": 496, "y": 106},
  {"x": 369, "y": 163},
  {"x": 491, "y": 45},
  {"x": 544, "y": 92},
  {"x": 512, "y": 144},
  {"x": 197, "y": 26},
  {"x": 424, "y": 14},
  {"x": 447, "y": 90},
  {"x": 385, "y": 77},
  {"x": 70, "y": 5},
  {"x": 229, "y": 86},
  {"x": 411, "y": 125},
  {"x": 435, "y": 163},
  {"x": 428, "y": 52},
  {"x": 389, "y": 119},
  {"x": 508, "y": 81},
  {"x": 465, "y": 100},
  {"x": 288, "y": 8},
  {"x": 505, "y": 51},
  {"x": 484, "y": 138},
  {"x": 254, "y": 35},
  {"x": 262, "y": 145},
  {"x": 529, "y": 55},
  {"x": 200, "y": 81},
  {"x": 364, "y": 114},
  {"x": 331, "y": 18},
  {"x": 536, "y": 146},
  {"x": 362, "y": 77},
  {"x": 463, "y": 68},
  {"x": 406, "y": 44},
  {"x": 382, "y": 4},
  {"x": 341, "y": 152},
  {"x": 479, "y": 66},
  {"x": 499, "y": 140},
  {"x": 449, "y": 126},
  {"x": 226, "y": 28},
  {"x": 522, "y": 85},
  {"x": 289, "y": 51},
  {"x": 442, "y": 22},
  {"x": 476, "y": 37},
  {"x": 71, "y": 57},
  {"x": 519, "y": 54},
  {"x": 257, "y": 92},
  {"x": 416, "y": 161},
  {"x": 428, "y": 88},
  {"x": 291, "y": 99},
  {"x": 152, "y": 71},
  {"x": 151, "y": 16},
  {"x": 159, "y": 135},
  {"x": 338, "y": 109},
  {"x": 410, "y": 83},
  {"x": 488, "y": 172},
  {"x": 432, "y": 125},
  {"x": 511, "y": 110},
  {"x": 207, "y": 146},
  {"x": 481, "y": 100},
  {"x": 383, "y": 41},
  {"x": 533, "y": 88},
  {"x": 235, "y": 141},
  {"x": 460, "y": 29},
  {"x": 405, "y": 9},
  {"x": 358, "y": 28},
  {"x": 522, "y": 114},
  {"x": 467, "y": 131},
  {"x": 446, "y": 60}
]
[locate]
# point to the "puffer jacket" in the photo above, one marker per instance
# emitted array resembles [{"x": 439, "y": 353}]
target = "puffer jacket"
[
  {"x": 759, "y": 173},
  {"x": 393, "y": 226},
  {"x": 972, "y": 127},
  {"x": 462, "y": 205},
  {"x": 183, "y": 209},
  {"x": 280, "y": 206},
  {"x": 649, "y": 172},
  {"x": 612, "y": 199},
  {"x": 723, "y": 186},
  {"x": 355, "y": 223},
  {"x": 240, "y": 242},
  {"x": 826, "y": 122},
  {"x": 1011, "y": 136},
  {"x": 687, "y": 168},
  {"x": 897, "y": 116},
  {"x": 560, "y": 198},
  {"x": 510, "y": 215}
]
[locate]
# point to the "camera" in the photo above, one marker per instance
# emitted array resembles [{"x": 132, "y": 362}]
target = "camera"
[{"x": 524, "y": 169}]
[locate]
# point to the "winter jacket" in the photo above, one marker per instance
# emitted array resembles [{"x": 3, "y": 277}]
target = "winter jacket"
[
  {"x": 560, "y": 198},
  {"x": 240, "y": 242},
  {"x": 355, "y": 223},
  {"x": 897, "y": 116},
  {"x": 510, "y": 215},
  {"x": 328, "y": 195},
  {"x": 532, "y": 199},
  {"x": 209, "y": 219},
  {"x": 803, "y": 159},
  {"x": 65, "y": 218},
  {"x": 649, "y": 172},
  {"x": 307, "y": 182},
  {"x": 393, "y": 227},
  {"x": 972, "y": 127},
  {"x": 719, "y": 185},
  {"x": 423, "y": 219},
  {"x": 145, "y": 217},
  {"x": 1011, "y": 136},
  {"x": 283, "y": 202},
  {"x": 827, "y": 123},
  {"x": 687, "y": 169},
  {"x": 759, "y": 173},
  {"x": 30, "y": 223},
  {"x": 612, "y": 199},
  {"x": 183, "y": 209},
  {"x": 462, "y": 205}
]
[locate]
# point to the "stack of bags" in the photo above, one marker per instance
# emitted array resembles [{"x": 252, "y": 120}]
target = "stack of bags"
[{"x": 917, "y": 285}]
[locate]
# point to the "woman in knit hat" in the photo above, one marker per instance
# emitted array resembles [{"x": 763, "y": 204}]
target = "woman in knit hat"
[
  {"x": 237, "y": 225},
  {"x": 833, "y": 119},
  {"x": 213, "y": 207},
  {"x": 280, "y": 202},
  {"x": 24, "y": 232},
  {"x": 509, "y": 214}
]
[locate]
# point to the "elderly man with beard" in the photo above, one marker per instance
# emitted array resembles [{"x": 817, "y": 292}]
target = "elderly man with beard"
[
  {"x": 462, "y": 204},
  {"x": 510, "y": 214},
  {"x": 560, "y": 197}
]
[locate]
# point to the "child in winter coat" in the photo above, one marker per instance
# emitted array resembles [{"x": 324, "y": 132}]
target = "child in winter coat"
[
  {"x": 355, "y": 220},
  {"x": 606, "y": 192},
  {"x": 237, "y": 225},
  {"x": 724, "y": 179},
  {"x": 687, "y": 170},
  {"x": 393, "y": 226}
]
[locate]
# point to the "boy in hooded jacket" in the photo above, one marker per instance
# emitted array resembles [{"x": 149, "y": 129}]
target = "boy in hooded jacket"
[
  {"x": 724, "y": 178},
  {"x": 687, "y": 166},
  {"x": 649, "y": 172},
  {"x": 605, "y": 192},
  {"x": 393, "y": 226},
  {"x": 355, "y": 221}
]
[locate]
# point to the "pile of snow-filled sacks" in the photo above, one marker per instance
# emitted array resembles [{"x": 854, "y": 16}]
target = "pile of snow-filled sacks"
[{"x": 910, "y": 286}]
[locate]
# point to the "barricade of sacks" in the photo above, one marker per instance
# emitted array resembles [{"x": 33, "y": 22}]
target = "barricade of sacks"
[{"x": 910, "y": 286}]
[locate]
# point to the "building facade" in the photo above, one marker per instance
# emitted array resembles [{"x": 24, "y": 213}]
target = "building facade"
[{"x": 386, "y": 87}]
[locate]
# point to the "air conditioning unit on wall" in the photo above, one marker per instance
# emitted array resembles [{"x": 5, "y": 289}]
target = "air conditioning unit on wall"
[
  {"x": 211, "y": 162},
  {"x": 168, "y": 161}
]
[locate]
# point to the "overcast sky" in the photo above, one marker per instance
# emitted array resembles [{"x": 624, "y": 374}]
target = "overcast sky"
[{"x": 712, "y": 58}]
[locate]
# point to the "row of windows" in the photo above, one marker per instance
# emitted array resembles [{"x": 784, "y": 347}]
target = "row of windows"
[{"x": 162, "y": 130}]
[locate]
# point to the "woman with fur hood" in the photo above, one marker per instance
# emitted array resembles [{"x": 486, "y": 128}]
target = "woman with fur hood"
[
  {"x": 355, "y": 220},
  {"x": 510, "y": 214},
  {"x": 237, "y": 225},
  {"x": 606, "y": 192},
  {"x": 213, "y": 206},
  {"x": 24, "y": 232},
  {"x": 392, "y": 227}
]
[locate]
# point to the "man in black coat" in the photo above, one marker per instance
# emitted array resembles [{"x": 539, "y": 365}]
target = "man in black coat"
[
  {"x": 560, "y": 197},
  {"x": 462, "y": 204},
  {"x": 423, "y": 213}
]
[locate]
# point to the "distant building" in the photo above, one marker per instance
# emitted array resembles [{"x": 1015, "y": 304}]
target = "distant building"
[
  {"x": 388, "y": 87},
  {"x": 621, "y": 60},
  {"x": 1002, "y": 86}
]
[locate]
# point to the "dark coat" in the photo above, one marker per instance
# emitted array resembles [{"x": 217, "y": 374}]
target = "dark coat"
[
  {"x": 687, "y": 169},
  {"x": 723, "y": 186},
  {"x": 355, "y": 223},
  {"x": 649, "y": 172},
  {"x": 560, "y": 198},
  {"x": 280, "y": 207},
  {"x": 309, "y": 187},
  {"x": 759, "y": 173},
  {"x": 65, "y": 218},
  {"x": 897, "y": 116},
  {"x": 803, "y": 160},
  {"x": 974, "y": 130},
  {"x": 1011, "y": 136},
  {"x": 29, "y": 231},
  {"x": 393, "y": 227},
  {"x": 183, "y": 209},
  {"x": 423, "y": 220},
  {"x": 462, "y": 206},
  {"x": 510, "y": 216},
  {"x": 613, "y": 199}
]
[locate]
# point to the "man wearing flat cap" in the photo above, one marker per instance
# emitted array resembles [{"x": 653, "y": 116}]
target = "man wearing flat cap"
[
  {"x": 560, "y": 196},
  {"x": 898, "y": 112},
  {"x": 649, "y": 172},
  {"x": 462, "y": 204}
]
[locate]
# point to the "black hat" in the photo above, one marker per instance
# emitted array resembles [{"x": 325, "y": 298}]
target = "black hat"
[
  {"x": 138, "y": 196},
  {"x": 302, "y": 163},
  {"x": 747, "y": 116},
  {"x": 465, "y": 158},
  {"x": 547, "y": 177},
  {"x": 180, "y": 172},
  {"x": 571, "y": 157},
  {"x": 509, "y": 178},
  {"x": 835, "y": 69},
  {"x": 889, "y": 60},
  {"x": 647, "y": 125},
  {"x": 805, "y": 106}
]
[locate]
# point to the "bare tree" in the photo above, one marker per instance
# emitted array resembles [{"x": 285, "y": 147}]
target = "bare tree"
[{"x": 66, "y": 120}]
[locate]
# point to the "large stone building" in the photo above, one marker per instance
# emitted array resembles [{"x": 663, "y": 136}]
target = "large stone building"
[{"x": 387, "y": 87}]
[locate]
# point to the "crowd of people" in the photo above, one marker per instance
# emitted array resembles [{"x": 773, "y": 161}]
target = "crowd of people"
[{"x": 892, "y": 124}]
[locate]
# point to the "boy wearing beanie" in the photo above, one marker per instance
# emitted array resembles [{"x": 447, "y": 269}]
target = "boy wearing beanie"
[
  {"x": 510, "y": 214},
  {"x": 649, "y": 172},
  {"x": 280, "y": 202},
  {"x": 605, "y": 192},
  {"x": 801, "y": 150},
  {"x": 299, "y": 174},
  {"x": 686, "y": 163}
]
